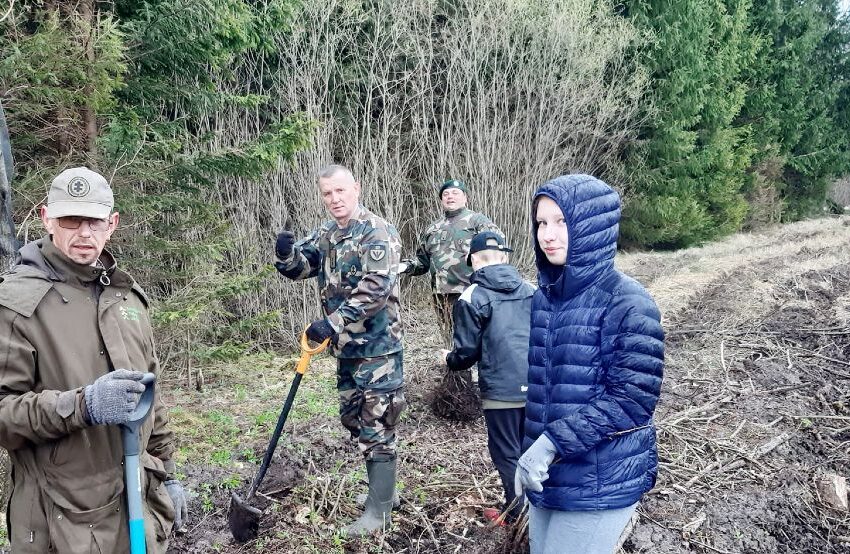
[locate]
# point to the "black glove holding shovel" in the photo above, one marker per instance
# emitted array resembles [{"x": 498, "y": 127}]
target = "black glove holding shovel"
[{"x": 111, "y": 400}]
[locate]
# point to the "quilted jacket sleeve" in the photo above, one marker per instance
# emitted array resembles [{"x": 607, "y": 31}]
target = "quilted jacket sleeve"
[{"x": 632, "y": 353}]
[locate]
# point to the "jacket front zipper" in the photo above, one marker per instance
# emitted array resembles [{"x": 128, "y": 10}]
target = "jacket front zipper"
[{"x": 548, "y": 364}]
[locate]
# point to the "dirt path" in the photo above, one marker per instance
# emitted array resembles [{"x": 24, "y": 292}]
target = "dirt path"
[
  {"x": 756, "y": 398},
  {"x": 755, "y": 406}
]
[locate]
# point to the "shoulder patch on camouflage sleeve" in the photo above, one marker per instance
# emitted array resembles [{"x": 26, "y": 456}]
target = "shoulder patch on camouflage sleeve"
[
  {"x": 378, "y": 252},
  {"x": 377, "y": 258}
]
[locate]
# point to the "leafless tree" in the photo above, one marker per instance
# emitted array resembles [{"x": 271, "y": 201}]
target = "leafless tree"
[{"x": 503, "y": 94}]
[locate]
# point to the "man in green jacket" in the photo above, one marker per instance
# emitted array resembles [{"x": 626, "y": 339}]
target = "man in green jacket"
[
  {"x": 76, "y": 340},
  {"x": 443, "y": 249}
]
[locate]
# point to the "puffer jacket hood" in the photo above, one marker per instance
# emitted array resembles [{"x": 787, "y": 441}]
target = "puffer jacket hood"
[{"x": 591, "y": 210}]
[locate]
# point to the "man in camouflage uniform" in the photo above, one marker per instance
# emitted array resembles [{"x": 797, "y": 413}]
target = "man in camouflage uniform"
[
  {"x": 355, "y": 257},
  {"x": 443, "y": 249}
]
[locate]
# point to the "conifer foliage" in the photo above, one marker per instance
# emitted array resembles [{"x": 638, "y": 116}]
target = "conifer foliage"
[
  {"x": 744, "y": 122},
  {"x": 690, "y": 160},
  {"x": 146, "y": 93}
]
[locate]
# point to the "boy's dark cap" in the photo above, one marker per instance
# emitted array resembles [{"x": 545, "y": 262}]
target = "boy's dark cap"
[{"x": 486, "y": 240}]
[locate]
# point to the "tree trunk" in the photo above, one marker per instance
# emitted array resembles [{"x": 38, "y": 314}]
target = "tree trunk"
[
  {"x": 8, "y": 242},
  {"x": 8, "y": 248},
  {"x": 87, "y": 14}
]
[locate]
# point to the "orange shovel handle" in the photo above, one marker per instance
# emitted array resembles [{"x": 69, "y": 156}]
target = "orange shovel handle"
[{"x": 307, "y": 352}]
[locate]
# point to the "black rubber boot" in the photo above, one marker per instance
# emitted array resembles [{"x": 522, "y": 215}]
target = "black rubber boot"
[
  {"x": 379, "y": 502},
  {"x": 361, "y": 500}
]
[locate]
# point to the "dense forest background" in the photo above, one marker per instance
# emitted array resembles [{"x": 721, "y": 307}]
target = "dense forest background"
[{"x": 211, "y": 118}]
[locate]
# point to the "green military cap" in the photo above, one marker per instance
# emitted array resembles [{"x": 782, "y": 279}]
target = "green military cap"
[{"x": 452, "y": 183}]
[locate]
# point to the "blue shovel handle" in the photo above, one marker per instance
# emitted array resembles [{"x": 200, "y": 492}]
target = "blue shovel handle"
[{"x": 132, "y": 470}]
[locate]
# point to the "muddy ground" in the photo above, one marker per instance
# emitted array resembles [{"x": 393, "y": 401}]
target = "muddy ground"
[{"x": 755, "y": 407}]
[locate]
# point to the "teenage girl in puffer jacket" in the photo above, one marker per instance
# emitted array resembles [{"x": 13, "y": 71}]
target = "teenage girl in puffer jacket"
[{"x": 596, "y": 359}]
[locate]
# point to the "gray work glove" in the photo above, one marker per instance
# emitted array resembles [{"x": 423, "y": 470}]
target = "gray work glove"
[
  {"x": 112, "y": 397},
  {"x": 178, "y": 498},
  {"x": 532, "y": 468}
]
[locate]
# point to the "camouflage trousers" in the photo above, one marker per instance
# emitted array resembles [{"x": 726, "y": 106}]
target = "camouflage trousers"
[
  {"x": 443, "y": 305},
  {"x": 371, "y": 399}
]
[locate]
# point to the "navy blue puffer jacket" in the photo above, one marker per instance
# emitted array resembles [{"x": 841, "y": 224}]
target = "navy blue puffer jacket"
[{"x": 596, "y": 359}]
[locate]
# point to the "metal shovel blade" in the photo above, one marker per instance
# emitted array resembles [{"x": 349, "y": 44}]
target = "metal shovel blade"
[{"x": 243, "y": 519}]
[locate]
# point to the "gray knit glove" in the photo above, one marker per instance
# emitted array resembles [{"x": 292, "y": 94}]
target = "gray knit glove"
[
  {"x": 178, "y": 498},
  {"x": 112, "y": 397}
]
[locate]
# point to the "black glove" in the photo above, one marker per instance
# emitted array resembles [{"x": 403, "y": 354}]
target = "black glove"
[
  {"x": 320, "y": 330},
  {"x": 283, "y": 246}
]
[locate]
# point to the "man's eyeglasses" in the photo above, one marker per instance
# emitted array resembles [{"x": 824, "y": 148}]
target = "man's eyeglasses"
[{"x": 74, "y": 222}]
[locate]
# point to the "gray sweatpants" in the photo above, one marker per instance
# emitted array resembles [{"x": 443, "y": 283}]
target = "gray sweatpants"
[{"x": 596, "y": 532}]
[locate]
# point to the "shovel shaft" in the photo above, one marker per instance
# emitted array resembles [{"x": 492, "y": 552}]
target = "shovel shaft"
[
  {"x": 133, "y": 482},
  {"x": 281, "y": 420},
  {"x": 132, "y": 471}
]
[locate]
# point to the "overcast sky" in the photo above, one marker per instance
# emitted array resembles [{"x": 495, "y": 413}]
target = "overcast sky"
[{"x": 845, "y": 5}]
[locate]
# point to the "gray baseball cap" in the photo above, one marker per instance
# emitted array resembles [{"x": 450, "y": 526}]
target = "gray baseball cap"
[{"x": 81, "y": 192}]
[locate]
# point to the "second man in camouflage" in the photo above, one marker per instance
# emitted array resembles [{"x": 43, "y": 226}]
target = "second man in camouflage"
[{"x": 443, "y": 248}]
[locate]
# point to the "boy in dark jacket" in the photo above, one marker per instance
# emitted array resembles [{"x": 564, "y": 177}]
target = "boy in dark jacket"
[{"x": 491, "y": 328}]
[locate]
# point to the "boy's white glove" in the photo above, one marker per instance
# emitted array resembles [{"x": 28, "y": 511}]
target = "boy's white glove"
[
  {"x": 403, "y": 267},
  {"x": 443, "y": 356},
  {"x": 533, "y": 466}
]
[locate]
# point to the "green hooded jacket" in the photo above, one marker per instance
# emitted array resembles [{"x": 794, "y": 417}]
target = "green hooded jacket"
[{"x": 60, "y": 329}]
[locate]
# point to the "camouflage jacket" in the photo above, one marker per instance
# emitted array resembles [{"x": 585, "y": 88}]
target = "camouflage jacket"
[
  {"x": 357, "y": 268},
  {"x": 443, "y": 248}
]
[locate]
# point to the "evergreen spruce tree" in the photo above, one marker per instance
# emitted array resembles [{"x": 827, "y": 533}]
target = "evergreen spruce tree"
[
  {"x": 795, "y": 103},
  {"x": 688, "y": 168}
]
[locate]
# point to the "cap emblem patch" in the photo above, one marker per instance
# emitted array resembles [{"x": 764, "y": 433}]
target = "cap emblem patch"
[{"x": 78, "y": 187}]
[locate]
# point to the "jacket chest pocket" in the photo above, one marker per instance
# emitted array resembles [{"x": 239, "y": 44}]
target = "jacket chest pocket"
[
  {"x": 126, "y": 333},
  {"x": 344, "y": 263},
  {"x": 438, "y": 238},
  {"x": 464, "y": 239},
  {"x": 99, "y": 531}
]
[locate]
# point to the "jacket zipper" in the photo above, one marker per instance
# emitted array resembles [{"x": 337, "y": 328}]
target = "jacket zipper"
[{"x": 548, "y": 360}]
